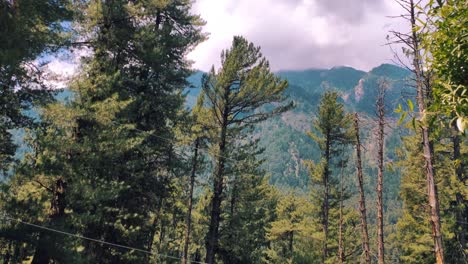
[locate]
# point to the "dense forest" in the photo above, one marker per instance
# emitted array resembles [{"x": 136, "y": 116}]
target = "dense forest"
[{"x": 144, "y": 159}]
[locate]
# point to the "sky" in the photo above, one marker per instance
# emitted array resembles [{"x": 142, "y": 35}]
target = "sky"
[
  {"x": 293, "y": 34},
  {"x": 300, "y": 34}
]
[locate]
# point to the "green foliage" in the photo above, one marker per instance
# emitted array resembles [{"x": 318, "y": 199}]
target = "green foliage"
[
  {"x": 414, "y": 234},
  {"x": 293, "y": 233},
  {"x": 447, "y": 43},
  {"x": 106, "y": 143},
  {"x": 249, "y": 210},
  {"x": 111, "y": 163},
  {"x": 235, "y": 95},
  {"x": 28, "y": 28}
]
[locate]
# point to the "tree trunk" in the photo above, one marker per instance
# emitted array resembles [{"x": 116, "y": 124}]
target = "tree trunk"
[
  {"x": 380, "y": 142},
  {"x": 291, "y": 245},
  {"x": 362, "y": 199},
  {"x": 6, "y": 260},
  {"x": 212, "y": 239},
  {"x": 188, "y": 220},
  {"x": 154, "y": 226},
  {"x": 325, "y": 205},
  {"x": 7, "y": 257},
  {"x": 57, "y": 211},
  {"x": 427, "y": 147},
  {"x": 341, "y": 255},
  {"x": 462, "y": 206}
]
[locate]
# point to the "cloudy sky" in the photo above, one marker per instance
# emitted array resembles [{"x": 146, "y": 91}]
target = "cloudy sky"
[
  {"x": 301, "y": 34},
  {"x": 293, "y": 34}
]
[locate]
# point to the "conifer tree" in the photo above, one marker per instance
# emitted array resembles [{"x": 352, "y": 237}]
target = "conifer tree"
[
  {"x": 292, "y": 234},
  {"x": 249, "y": 209},
  {"x": 198, "y": 135},
  {"x": 27, "y": 30},
  {"x": 234, "y": 95},
  {"x": 333, "y": 128},
  {"x": 112, "y": 146},
  {"x": 380, "y": 109}
]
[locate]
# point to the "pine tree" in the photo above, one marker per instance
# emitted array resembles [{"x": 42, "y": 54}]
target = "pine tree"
[
  {"x": 413, "y": 232},
  {"x": 447, "y": 21},
  {"x": 198, "y": 135},
  {"x": 27, "y": 30},
  {"x": 234, "y": 94},
  {"x": 292, "y": 234},
  {"x": 249, "y": 210},
  {"x": 112, "y": 147},
  {"x": 380, "y": 109},
  {"x": 333, "y": 126}
]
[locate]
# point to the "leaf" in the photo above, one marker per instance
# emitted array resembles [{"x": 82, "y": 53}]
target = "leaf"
[
  {"x": 399, "y": 109},
  {"x": 411, "y": 106},
  {"x": 402, "y": 118},
  {"x": 413, "y": 122}
]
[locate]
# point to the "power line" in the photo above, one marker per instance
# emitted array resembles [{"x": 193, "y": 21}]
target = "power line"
[{"x": 93, "y": 239}]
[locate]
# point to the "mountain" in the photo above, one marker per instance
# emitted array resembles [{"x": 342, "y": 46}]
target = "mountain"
[
  {"x": 284, "y": 137},
  {"x": 358, "y": 88}
]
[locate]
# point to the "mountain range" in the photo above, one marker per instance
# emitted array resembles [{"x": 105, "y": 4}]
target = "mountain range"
[{"x": 284, "y": 137}]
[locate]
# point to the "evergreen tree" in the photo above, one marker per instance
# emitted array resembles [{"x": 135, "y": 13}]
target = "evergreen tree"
[
  {"x": 413, "y": 230},
  {"x": 445, "y": 40},
  {"x": 248, "y": 211},
  {"x": 27, "y": 29},
  {"x": 333, "y": 126},
  {"x": 292, "y": 235},
  {"x": 111, "y": 149},
  {"x": 234, "y": 94},
  {"x": 423, "y": 85}
]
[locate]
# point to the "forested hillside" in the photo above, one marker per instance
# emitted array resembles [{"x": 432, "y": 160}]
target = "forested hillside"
[{"x": 143, "y": 159}]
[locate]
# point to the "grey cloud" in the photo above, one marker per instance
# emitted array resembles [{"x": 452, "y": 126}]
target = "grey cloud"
[
  {"x": 349, "y": 11},
  {"x": 358, "y": 40}
]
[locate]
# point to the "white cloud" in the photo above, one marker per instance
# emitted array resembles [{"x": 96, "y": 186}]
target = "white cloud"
[
  {"x": 298, "y": 34},
  {"x": 293, "y": 34},
  {"x": 59, "y": 68}
]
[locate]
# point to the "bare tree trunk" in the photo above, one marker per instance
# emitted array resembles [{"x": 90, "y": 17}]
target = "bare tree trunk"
[
  {"x": 362, "y": 198},
  {"x": 212, "y": 239},
  {"x": 427, "y": 147},
  {"x": 341, "y": 254},
  {"x": 380, "y": 141}
]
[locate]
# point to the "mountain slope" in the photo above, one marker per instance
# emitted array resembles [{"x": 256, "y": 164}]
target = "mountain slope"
[{"x": 284, "y": 137}]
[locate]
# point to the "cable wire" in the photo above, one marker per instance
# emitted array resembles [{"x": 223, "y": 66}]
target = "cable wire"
[{"x": 93, "y": 239}]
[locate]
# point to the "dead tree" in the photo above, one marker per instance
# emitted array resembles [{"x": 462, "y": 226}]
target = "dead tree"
[
  {"x": 412, "y": 42},
  {"x": 380, "y": 107},
  {"x": 362, "y": 199}
]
